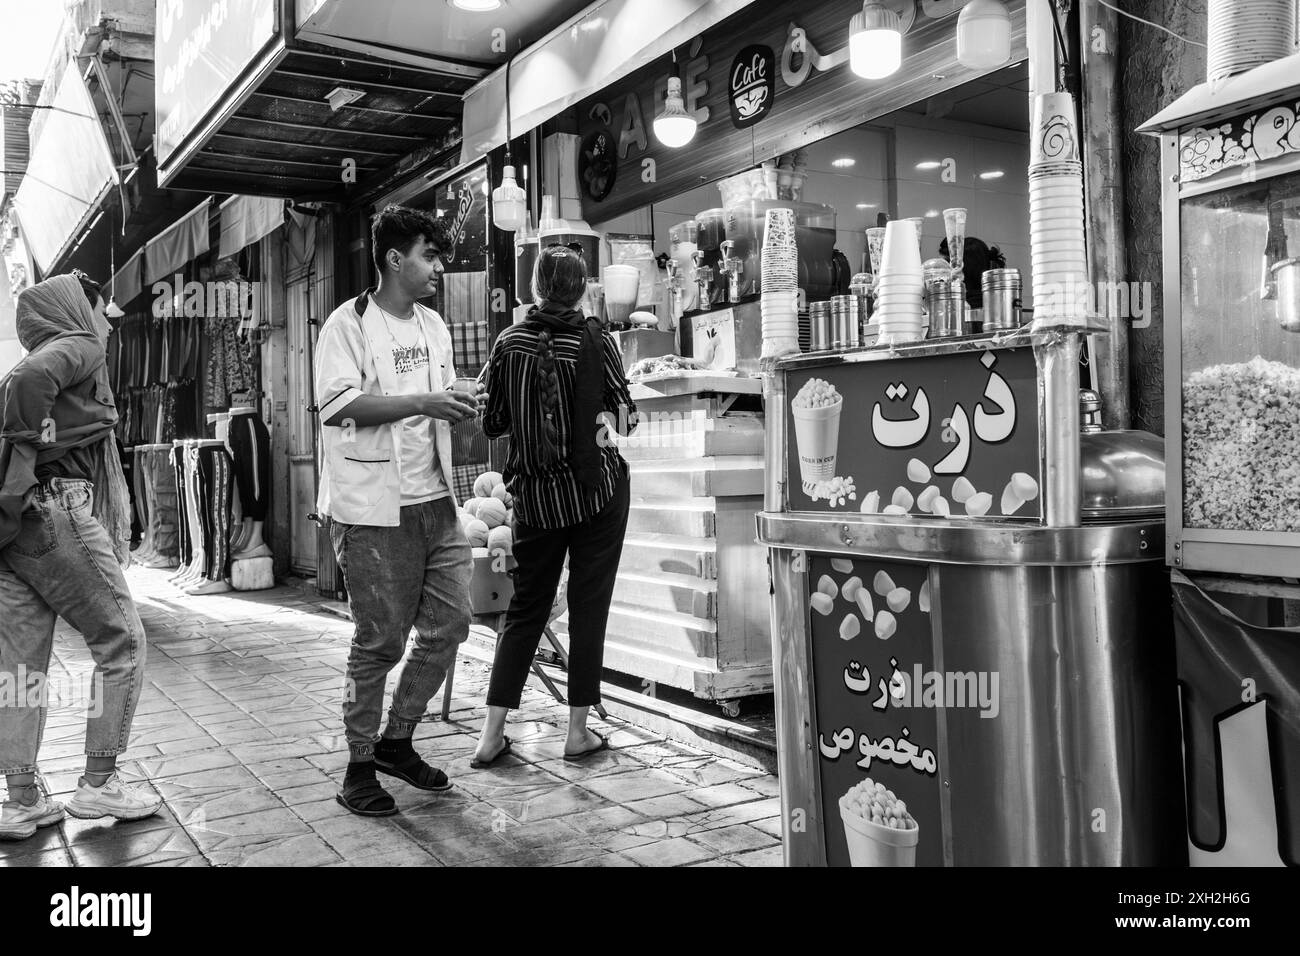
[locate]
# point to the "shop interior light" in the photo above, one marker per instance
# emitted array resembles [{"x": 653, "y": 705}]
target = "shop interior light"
[
  {"x": 867, "y": 205},
  {"x": 844, "y": 162},
  {"x": 476, "y": 6},
  {"x": 509, "y": 201},
  {"x": 932, "y": 214},
  {"x": 509, "y": 204},
  {"x": 983, "y": 35},
  {"x": 675, "y": 127},
  {"x": 341, "y": 96},
  {"x": 928, "y": 164},
  {"x": 992, "y": 174},
  {"x": 875, "y": 41}
]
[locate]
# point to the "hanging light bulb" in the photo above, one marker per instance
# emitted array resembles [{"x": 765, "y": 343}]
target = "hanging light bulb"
[
  {"x": 983, "y": 35},
  {"x": 675, "y": 127},
  {"x": 875, "y": 41},
  {"x": 508, "y": 203}
]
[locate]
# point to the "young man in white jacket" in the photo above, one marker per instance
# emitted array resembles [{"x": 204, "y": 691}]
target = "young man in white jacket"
[{"x": 383, "y": 371}]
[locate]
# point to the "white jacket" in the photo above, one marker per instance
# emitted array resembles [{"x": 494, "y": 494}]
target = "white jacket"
[{"x": 361, "y": 471}]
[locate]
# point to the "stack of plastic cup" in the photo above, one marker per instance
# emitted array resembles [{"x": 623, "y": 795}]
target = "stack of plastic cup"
[
  {"x": 899, "y": 287},
  {"x": 780, "y": 284},
  {"x": 1243, "y": 34},
  {"x": 1059, "y": 258}
]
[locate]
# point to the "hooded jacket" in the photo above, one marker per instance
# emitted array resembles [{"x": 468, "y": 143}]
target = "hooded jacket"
[{"x": 58, "y": 398}]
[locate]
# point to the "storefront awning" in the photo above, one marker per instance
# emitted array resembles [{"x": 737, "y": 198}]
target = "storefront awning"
[
  {"x": 127, "y": 281},
  {"x": 606, "y": 42},
  {"x": 181, "y": 242},
  {"x": 246, "y": 219},
  {"x": 70, "y": 172}
]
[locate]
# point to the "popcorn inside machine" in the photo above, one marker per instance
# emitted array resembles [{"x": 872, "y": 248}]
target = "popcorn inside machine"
[{"x": 1231, "y": 161}]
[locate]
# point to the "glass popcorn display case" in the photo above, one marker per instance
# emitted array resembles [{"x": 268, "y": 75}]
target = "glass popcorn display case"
[{"x": 1231, "y": 162}]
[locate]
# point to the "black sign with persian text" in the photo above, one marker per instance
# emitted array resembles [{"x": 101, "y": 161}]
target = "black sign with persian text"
[{"x": 952, "y": 435}]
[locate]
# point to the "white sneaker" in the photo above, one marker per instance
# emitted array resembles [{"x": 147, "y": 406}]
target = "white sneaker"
[
  {"x": 113, "y": 799},
  {"x": 18, "y": 822}
]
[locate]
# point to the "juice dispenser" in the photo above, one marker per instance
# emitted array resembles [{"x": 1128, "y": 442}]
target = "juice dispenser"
[{"x": 712, "y": 232}]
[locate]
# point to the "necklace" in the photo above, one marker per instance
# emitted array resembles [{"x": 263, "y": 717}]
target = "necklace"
[{"x": 386, "y": 315}]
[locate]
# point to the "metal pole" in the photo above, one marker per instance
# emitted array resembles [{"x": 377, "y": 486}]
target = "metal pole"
[
  {"x": 1059, "y": 367},
  {"x": 1104, "y": 202}
]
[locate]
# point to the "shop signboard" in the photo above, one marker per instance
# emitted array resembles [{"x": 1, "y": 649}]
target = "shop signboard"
[
  {"x": 769, "y": 80},
  {"x": 1241, "y": 733},
  {"x": 947, "y": 435},
  {"x": 201, "y": 48},
  {"x": 877, "y": 710}
]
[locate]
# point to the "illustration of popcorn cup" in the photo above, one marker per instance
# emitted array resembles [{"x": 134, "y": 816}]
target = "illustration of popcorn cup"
[
  {"x": 878, "y": 844},
  {"x": 870, "y": 844},
  {"x": 816, "y": 410}
]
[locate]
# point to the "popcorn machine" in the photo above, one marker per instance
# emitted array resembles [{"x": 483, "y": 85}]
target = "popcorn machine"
[
  {"x": 1230, "y": 162},
  {"x": 1231, "y": 178}
]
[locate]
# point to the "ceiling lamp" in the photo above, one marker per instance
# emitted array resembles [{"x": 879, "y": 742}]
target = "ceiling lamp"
[
  {"x": 983, "y": 35},
  {"x": 476, "y": 6},
  {"x": 875, "y": 41},
  {"x": 509, "y": 201},
  {"x": 675, "y": 127}
]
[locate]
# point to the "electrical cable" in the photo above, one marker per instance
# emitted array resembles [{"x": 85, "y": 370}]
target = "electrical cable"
[{"x": 1150, "y": 23}]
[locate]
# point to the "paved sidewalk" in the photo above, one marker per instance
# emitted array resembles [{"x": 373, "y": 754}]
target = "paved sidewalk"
[{"x": 239, "y": 731}]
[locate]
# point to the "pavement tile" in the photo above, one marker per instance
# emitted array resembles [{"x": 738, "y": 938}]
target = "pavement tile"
[
  {"x": 723, "y": 795},
  {"x": 604, "y": 820},
  {"x": 176, "y": 765},
  {"x": 771, "y": 856},
  {"x": 666, "y": 807},
  {"x": 303, "y": 850},
  {"x": 604, "y": 858},
  {"x": 233, "y": 834},
  {"x": 353, "y": 836},
  {"x": 674, "y": 852},
  {"x": 626, "y": 788},
  {"x": 55, "y": 856},
  {"x": 738, "y": 838},
  {"x": 771, "y": 826},
  {"x": 766, "y": 784},
  {"x": 43, "y": 840},
  {"x": 561, "y": 801},
  {"x": 136, "y": 848},
  {"x": 463, "y": 851}
]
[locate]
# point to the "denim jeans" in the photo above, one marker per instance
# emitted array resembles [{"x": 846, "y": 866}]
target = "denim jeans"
[
  {"x": 415, "y": 575},
  {"x": 62, "y": 564}
]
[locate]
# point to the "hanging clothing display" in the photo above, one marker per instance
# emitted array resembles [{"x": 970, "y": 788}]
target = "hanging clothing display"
[{"x": 250, "y": 445}]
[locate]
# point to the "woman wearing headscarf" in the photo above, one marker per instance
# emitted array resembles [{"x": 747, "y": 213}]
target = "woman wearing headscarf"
[
  {"x": 64, "y": 538},
  {"x": 554, "y": 382}
]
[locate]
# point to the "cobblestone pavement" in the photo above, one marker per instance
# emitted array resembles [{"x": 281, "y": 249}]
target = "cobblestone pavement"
[{"x": 239, "y": 731}]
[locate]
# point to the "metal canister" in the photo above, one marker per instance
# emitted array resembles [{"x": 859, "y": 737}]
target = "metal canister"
[
  {"x": 947, "y": 311},
  {"x": 819, "y": 326},
  {"x": 845, "y": 331},
  {"x": 1001, "y": 299}
]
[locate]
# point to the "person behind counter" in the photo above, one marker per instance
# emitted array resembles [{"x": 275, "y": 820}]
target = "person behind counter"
[
  {"x": 65, "y": 527},
  {"x": 977, "y": 260},
  {"x": 549, "y": 379}
]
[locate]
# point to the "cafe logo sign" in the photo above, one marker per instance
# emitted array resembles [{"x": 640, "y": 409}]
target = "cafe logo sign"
[
  {"x": 752, "y": 89},
  {"x": 466, "y": 202}
]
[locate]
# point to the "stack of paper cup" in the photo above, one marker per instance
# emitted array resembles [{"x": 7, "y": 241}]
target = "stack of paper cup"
[
  {"x": 779, "y": 299},
  {"x": 899, "y": 286},
  {"x": 1060, "y": 264},
  {"x": 1242, "y": 34}
]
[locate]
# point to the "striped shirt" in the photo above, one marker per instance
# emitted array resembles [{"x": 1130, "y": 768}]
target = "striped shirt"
[{"x": 548, "y": 495}]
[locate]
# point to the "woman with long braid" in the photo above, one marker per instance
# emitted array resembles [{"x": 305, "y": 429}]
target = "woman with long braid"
[{"x": 553, "y": 382}]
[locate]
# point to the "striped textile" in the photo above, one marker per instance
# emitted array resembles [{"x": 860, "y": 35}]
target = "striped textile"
[{"x": 548, "y": 495}]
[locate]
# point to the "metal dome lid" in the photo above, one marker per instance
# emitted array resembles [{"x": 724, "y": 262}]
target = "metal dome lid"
[{"x": 1122, "y": 475}]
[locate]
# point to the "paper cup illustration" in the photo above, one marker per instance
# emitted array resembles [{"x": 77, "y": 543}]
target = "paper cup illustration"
[
  {"x": 871, "y": 844},
  {"x": 816, "y": 410}
]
